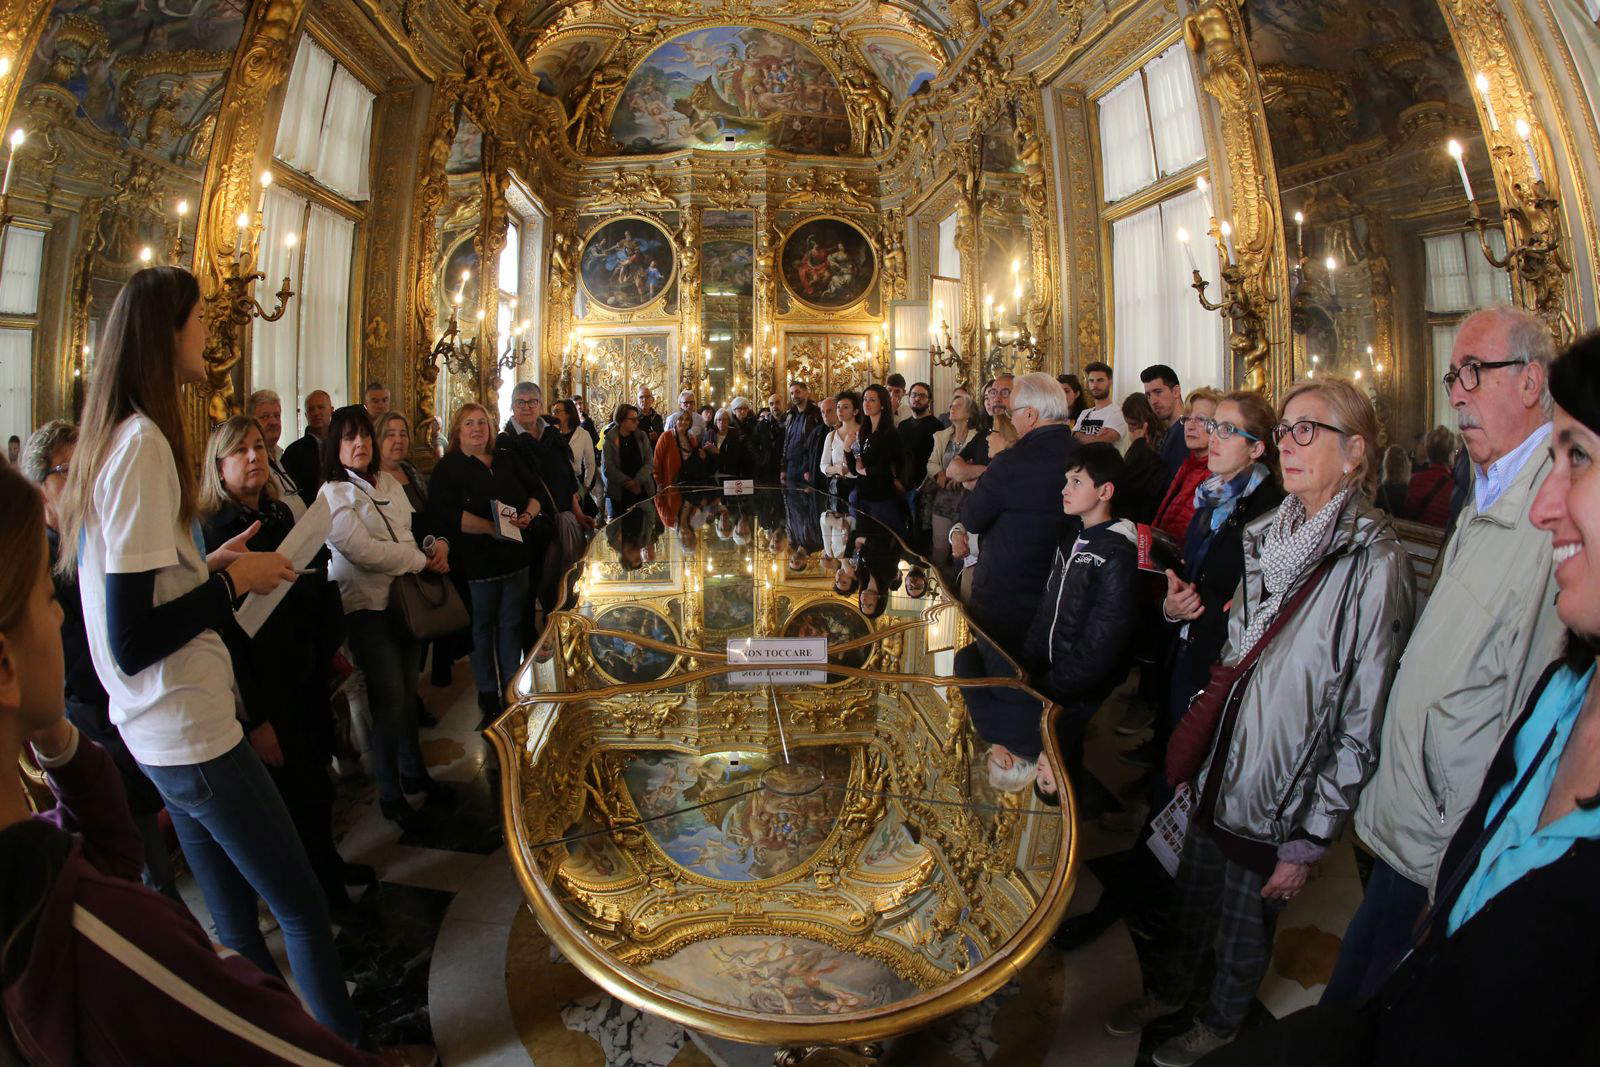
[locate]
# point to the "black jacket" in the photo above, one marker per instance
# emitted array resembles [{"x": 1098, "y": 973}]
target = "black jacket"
[
  {"x": 796, "y": 428},
  {"x": 814, "y": 442},
  {"x": 1081, "y": 630},
  {"x": 547, "y": 455},
  {"x": 303, "y": 460},
  {"x": 1519, "y": 981},
  {"x": 1016, "y": 510},
  {"x": 459, "y": 483},
  {"x": 878, "y": 465},
  {"x": 733, "y": 455},
  {"x": 766, "y": 448},
  {"x": 1143, "y": 483},
  {"x": 916, "y": 437}
]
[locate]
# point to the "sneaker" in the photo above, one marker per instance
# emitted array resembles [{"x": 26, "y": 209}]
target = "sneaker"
[
  {"x": 1136, "y": 718},
  {"x": 1190, "y": 1046},
  {"x": 1135, "y": 1015}
]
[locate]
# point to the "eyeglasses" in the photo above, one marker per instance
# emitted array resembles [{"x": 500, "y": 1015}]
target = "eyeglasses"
[
  {"x": 1467, "y": 373},
  {"x": 1304, "y": 431},
  {"x": 1225, "y": 430}
]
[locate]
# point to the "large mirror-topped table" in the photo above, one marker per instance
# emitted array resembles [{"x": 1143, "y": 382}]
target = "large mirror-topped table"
[{"x": 803, "y": 858}]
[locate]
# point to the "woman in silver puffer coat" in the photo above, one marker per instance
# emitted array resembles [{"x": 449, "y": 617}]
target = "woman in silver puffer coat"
[{"x": 1296, "y": 738}]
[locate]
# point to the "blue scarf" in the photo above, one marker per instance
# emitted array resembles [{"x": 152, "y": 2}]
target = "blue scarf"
[{"x": 1214, "y": 501}]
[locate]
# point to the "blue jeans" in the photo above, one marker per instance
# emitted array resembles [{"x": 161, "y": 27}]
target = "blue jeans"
[
  {"x": 1378, "y": 936},
  {"x": 239, "y": 841},
  {"x": 391, "y": 659},
  {"x": 497, "y": 608}
]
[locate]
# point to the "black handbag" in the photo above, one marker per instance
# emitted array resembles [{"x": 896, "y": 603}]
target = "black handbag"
[{"x": 427, "y": 603}]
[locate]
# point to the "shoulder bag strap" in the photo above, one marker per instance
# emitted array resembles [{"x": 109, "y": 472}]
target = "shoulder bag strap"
[{"x": 1287, "y": 612}]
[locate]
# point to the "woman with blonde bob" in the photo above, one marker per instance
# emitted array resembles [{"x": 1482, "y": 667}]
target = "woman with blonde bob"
[
  {"x": 284, "y": 670},
  {"x": 1315, "y": 630}
]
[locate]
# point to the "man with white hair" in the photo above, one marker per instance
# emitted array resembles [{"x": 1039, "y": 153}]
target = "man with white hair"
[
  {"x": 1016, "y": 508},
  {"x": 1488, "y": 632},
  {"x": 267, "y": 409}
]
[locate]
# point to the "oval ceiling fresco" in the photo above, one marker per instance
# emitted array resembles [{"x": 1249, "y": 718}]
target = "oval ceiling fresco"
[{"x": 731, "y": 87}]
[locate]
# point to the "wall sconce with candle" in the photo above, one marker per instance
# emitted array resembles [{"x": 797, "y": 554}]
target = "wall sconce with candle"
[
  {"x": 1535, "y": 256},
  {"x": 450, "y": 352},
  {"x": 1246, "y": 318}
]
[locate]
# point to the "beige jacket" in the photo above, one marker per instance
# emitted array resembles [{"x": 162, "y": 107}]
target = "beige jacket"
[{"x": 1488, "y": 631}]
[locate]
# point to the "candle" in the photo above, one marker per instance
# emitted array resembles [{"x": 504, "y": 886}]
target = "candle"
[
  {"x": 1188, "y": 253},
  {"x": 1300, "y": 233},
  {"x": 5, "y": 66},
  {"x": 1333, "y": 282},
  {"x": 266, "y": 181},
  {"x": 1482, "y": 82},
  {"x": 146, "y": 255},
  {"x": 243, "y": 223},
  {"x": 1525, "y": 132},
  {"x": 1225, "y": 241},
  {"x": 183, "y": 210},
  {"x": 18, "y": 135},
  {"x": 1454, "y": 148}
]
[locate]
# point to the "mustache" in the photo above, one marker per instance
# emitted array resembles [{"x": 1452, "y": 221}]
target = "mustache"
[{"x": 1466, "y": 420}]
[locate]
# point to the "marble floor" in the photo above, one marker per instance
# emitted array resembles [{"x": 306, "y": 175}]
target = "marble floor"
[{"x": 448, "y": 957}]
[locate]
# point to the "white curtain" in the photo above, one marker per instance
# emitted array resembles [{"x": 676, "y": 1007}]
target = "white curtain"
[
  {"x": 1174, "y": 112},
  {"x": 19, "y": 278},
  {"x": 324, "y": 335},
  {"x": 275, "y": 346},
  {"x": 1127, "y": 163},
  {"x": 300, "y": 127},
  {"x": 1460, "y": 277},
  {"x": 346, "y": 138},
  {"x": 946, "y": 292},
  {"x": 1194, "y": 342},
  {"x": 1139, "y": 291},
  {"x": 910, "y": 341},
  {"x": 949, "y": 264},
  {"x": 16, "y": 382},
  {"x": 1444, "y": 339},
  {"x": 1157, "y": 317}
]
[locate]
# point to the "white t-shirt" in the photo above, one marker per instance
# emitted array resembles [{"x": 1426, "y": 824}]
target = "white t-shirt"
[
  {"x": 179, "y": 710},
  {"x": 1109, "y": 417}
]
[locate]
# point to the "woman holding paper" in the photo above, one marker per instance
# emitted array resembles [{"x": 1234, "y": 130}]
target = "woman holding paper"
[
  {"x": 154, "y": 608},
  {"x": 284, "y": 670},
  {"x": 372, "y": 541},
  {"x": 488, "y": 497}
]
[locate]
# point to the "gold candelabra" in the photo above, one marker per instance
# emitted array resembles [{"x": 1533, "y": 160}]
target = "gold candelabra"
[
  {"x": 1243, "y": 311},
  {"x": 942, "y": 351},
  {"x": 451, "y": 352},
  {"x": 1533, "y": 257}
]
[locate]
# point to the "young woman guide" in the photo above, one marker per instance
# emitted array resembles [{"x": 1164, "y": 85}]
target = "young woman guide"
[{"x": 154, "y": 605}]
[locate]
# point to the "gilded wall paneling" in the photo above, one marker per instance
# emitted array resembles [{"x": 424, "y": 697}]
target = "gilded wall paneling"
[
  {"x": 433, "y": 194},
  {"x": 21, "y": 23},
  {"x": 1259, "y": 335}
]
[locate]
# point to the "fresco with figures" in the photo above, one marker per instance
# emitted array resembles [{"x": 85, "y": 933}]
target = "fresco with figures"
[
  {"x": 778, "y": 975},
  {"x": 756, "y": 86},
  {"x": 712, "y": 818},
  {"x": 903, "y": 66},
  {"x": 727, "y": 268},
  {"x": 562, "y": 66},
  {"x": 622, "y": 660},
  {"x": 828, "y": 263},
  {"x": 626, "y": 263}
]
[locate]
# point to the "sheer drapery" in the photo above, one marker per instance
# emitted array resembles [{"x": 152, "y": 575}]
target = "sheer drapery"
[
  {"x": 16, "y": 382},
  {"x": 326, "y": 128},
  {"x": 1444, "y": 339},
  {"x": 343, "y": 159},
  {"x": 1127, "y": 162},
  {"x": 507, "y": 316},
  {"x": 946, "y": 294},
  {"x": 1156, "y": 316},
  {"x": 910, "y": 339},
  {"x": 1460, "y": 277},
  {"x": 1174, "y": 112},
  {"x": 19, "y": 278},
  {"x": 324, "y": 333},
  {"x": 300, "y": 128},
  {"x": 275, "y": 346},
  {"x": 949, "y": 264}
]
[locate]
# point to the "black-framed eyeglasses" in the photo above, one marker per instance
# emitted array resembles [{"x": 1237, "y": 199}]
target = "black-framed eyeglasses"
[
  {"x": 1304, "y": 431},
  {"x": 1467, "y": 374},
  {"x": 1225, "y": 430}
]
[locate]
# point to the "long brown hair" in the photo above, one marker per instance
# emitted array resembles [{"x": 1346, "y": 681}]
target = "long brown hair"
[
  {"x": 21, "y": 543},
  {"x": 135, "y": 373}
]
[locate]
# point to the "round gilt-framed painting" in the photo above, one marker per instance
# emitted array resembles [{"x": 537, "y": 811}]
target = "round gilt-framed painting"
[
  {"x": 624, "y": 661},
  {"x": 626, "y": 263},
  {"x": 827, "y": 263},
  {"x": 838, "y": 622}
]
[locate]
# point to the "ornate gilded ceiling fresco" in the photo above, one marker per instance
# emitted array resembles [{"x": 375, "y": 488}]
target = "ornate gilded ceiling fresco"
[
  {"x": 1341, "y": 73},
  {"x": 564, "y": 65},
  {"x": 731, "y": 87},
  {"x": 903, "y": 66}
]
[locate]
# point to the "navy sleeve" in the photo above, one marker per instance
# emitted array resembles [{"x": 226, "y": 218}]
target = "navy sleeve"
[{"x": 142, "y": 633}]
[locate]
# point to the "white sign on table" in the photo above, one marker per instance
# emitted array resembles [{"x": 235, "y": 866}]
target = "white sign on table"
[
  {"x": 778, "y": 660},
  {"x": 738, "y": 487}
]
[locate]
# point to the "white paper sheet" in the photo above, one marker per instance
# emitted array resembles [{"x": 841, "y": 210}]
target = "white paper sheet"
[
  {"x": 300, "y": 546},
  {"x": 504, "y": 528},
  {"x": 1168, "y": 830}
]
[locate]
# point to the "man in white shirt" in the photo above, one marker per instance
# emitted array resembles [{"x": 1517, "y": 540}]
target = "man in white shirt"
[
  {"x": 267, "y": 409},
  {"x": 1103, "y": 421}
]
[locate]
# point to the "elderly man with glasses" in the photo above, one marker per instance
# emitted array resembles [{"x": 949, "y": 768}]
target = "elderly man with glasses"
[{"x": 1489, "y": 630}]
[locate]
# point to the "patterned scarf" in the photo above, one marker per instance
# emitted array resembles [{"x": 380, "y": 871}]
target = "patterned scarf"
[
  {"x": 1294, "y": 544},
  {"x": 1221, "y": 497}
]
